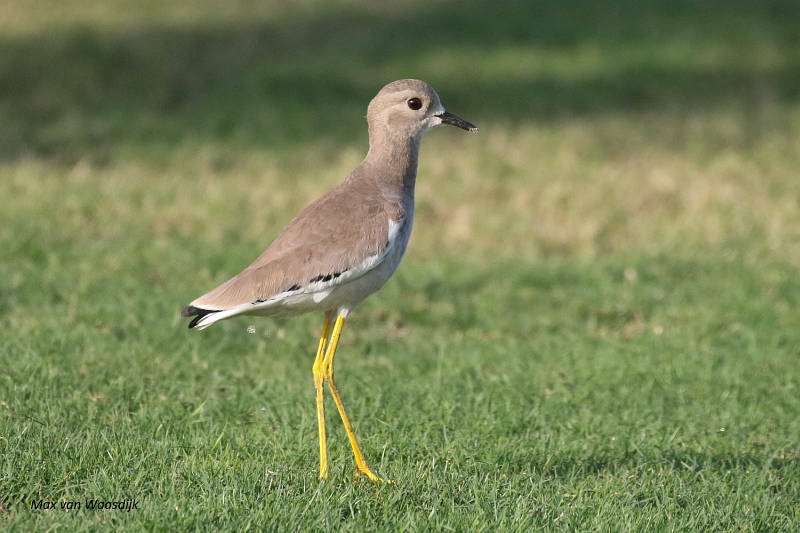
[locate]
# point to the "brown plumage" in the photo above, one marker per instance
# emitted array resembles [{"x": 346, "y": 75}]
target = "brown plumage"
[
  {"x": 340, "y": 232},
  {"x": 333, "y": 235}
]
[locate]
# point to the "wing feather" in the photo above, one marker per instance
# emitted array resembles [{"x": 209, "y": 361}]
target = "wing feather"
[{"x": 337, "y": 235}]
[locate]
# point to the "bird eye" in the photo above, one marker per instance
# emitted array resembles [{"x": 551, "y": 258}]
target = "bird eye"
[{"x": 414, "y": 103}]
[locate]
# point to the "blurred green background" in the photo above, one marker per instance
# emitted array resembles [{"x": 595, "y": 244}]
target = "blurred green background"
[
  {"x": 595, "y": 326},
  {"x": 608, "y": 125}
]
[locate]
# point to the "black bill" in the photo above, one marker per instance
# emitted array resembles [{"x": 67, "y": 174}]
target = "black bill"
[{"x": 454, "y": 120}]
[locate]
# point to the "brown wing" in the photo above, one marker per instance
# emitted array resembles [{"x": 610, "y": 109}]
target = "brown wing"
[{"x": 334, "y": 234}]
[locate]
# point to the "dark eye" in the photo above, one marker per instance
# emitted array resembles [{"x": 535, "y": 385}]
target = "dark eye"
[{"x": 414, "y": 103}]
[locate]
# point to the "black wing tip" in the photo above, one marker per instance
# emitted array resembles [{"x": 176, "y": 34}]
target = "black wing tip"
[{"x": 197, "y": 313}]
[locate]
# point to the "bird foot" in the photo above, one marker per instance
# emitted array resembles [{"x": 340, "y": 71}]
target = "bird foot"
[{"x": 372, "y": 477}]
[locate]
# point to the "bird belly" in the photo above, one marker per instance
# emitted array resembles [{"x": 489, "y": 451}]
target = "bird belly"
[{"x": 352, "y": 292}]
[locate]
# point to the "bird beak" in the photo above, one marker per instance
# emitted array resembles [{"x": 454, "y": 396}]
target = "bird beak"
[{"x": 453, "y": 120}]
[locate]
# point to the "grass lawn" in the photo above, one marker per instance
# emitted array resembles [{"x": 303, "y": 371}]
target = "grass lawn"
[{"x": 595, "y": 326}]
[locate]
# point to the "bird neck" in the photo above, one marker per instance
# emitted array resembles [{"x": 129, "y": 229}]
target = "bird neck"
[{"x": 393, "y": 162}]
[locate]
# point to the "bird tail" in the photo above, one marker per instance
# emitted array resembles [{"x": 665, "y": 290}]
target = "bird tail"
[{"x": 198, "y": 313}]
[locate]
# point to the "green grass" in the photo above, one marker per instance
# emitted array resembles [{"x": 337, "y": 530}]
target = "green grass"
[{"x": 595, "y": 327}]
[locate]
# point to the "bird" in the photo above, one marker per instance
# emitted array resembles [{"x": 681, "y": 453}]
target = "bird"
[{"x": 343, "y": 246}]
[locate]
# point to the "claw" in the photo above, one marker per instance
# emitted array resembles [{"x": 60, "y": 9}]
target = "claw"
[{"x": 372, "y": 477}]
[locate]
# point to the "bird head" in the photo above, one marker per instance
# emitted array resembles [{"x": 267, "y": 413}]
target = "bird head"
[{"x": 407, "y": 109}]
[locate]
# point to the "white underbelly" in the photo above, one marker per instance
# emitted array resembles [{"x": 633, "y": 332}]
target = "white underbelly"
[{"x": 351, "y": 293}]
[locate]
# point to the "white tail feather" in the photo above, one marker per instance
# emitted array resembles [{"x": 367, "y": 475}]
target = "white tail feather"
[{"x": 210, "y": 318}]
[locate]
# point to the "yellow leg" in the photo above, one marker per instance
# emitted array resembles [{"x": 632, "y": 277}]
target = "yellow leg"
[
  {"x": 327, "y": 364},
  {"x": 319, "y": 376}
]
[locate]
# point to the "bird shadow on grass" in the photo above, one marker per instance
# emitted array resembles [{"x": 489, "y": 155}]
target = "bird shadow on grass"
[{"x": 80, "y": 92}]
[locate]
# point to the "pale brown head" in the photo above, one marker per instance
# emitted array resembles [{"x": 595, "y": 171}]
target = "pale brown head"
[{"x": 406, "y": 109}]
